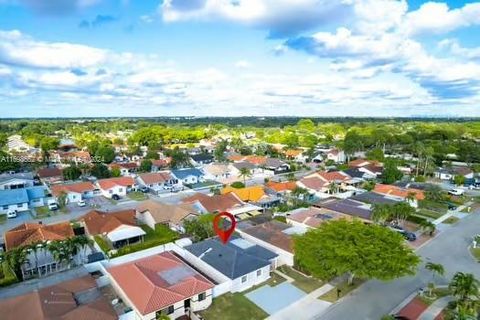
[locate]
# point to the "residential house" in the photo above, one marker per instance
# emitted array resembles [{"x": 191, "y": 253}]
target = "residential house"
[
  {"x": 336, "y": 155},
  {"x": 15, "y": 143},
  {"x": 242, "y": 263},
  {"x": 255, "y": 195},
  {"x": 280, "y": 188},
  {"x": 76, "y": 191},
  {"x": 201, "y": 159},
  {"x": 13, "y": 200},
  {"x": 296, "y": 155},
  {"x": 349, "y": 207},
  {"x": 42, "y": 261},
  {"x": 50, "y": 175},
  {"x": 160, "y": 164},
  {"x": 119, "y": 186},
  {"x": 189, "y": 176},
  {"x": 275, "y": 166},
  {"x": 375, "y": 198},
  {"x": 119, "y": 228},
  {"x": 16, "y": 180},
  {"x": 161, "y": 284},
  {"x": 275, "y": 236},
  {"x": 216, "y": 172},
  {"x": 127, "y": 169},
  {"x": 152, "y": 213},
  {"x": 67, "y": 145},
  {"x": 320, "y": 183},
  {"x": 37, "y": 196},
  {"x": 403, "y": 194},
  {"x": 236, "y": 168},
  {"x": 450, "y": 173},
  {"x": 156, "y": 181},
  {"x": 313, "y": 217},
  {"x": 68, "y": 300},
  {"x": 77, "y": 157},
  {"x": 371, "y": 169}
]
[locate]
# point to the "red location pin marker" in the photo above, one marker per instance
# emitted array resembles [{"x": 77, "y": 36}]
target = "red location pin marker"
[{"x": 224, "y": 235}]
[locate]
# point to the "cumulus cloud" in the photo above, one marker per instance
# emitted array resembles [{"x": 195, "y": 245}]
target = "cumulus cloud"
[{"x": 280, "y": 17}]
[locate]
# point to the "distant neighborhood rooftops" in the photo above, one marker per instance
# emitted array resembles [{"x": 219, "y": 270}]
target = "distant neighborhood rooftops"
[
  {"x": 236, "y": 258},
  {"x": 28, "y": 233},
  {"x": 398, "y": 192},
  {"x": 314, "y": 217},
  {"x": 346, "y": 206},
  {"x": 185, "y": 173},
  {"x": 109, "y": 183},
  {"x": 158, "y": 281},
  {"x": 373, "y": 198}
]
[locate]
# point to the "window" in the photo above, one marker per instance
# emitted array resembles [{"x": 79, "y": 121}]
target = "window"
[
  {"x": 244, "y": 279},
  {"x": 170, "y": 309},
  {"x": 110, "y": 191},
  {"x": 120, "y": 189},
  {"x": 259, "y": 272},
  {"x": 201, "y": 296},
  {"x": 5, "y": 207},
  {"x": 19, "y": 205}
]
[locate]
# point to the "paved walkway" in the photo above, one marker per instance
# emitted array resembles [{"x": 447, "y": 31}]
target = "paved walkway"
[
  {"x": 305, "y": 308},
  {"x": 435, "y": 308},
  {"x": 289, "y": 279},
  {"x": 452, "y": 213}
]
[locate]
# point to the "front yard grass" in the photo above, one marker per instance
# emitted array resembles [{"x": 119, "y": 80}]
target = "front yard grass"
[
  {"x": 304, "y": 283},
  {"x": 102, "y": 244},
  {"x": 137, "y": 196},
  {"x": 3, "y": 218},
  {"x": 451, "y": 220},
  {"x": 275, "y": 280},
  {"x": 44, "y": 212},
  {"x": 233, "y": 307},
  {"x": 331, "y": 296},
  {"x": 437, "y": 294},
  {"x": 430, "y": 213},
  {"x": 161, "y": 235},
  {"x": 476, "y": 253},
  {"x": 433, "y": 205}
]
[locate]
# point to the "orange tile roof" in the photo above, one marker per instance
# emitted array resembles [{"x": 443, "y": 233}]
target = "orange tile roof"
[
  {"x": 98, "y": 222},
  {"x": 58, "y": 302},
  {"x": 235, "y": 157},
  {"x": 109, "y": 183},
  {"x": 29, "y": 233},
  {"x": 398, "y": 192},
  {"x": 292, "y": 153},
  {"x": 314, "y": 183},
  {"x": 333, "y": 176},
  {"x": 155, "y": 177},
  {"x": 253, "y": 193},
  {"x": 79, "y": 187},
  {"x": 282, "y": 186},
  {"x": 216, "y": 203},
  {"x": 257, "y": 160},
  {"x": 162, "y": 162},
  {"x": 148, "y": 285}
]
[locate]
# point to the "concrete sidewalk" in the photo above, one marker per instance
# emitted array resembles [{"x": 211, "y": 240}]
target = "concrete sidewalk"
[{"x": 435, "y": 308}]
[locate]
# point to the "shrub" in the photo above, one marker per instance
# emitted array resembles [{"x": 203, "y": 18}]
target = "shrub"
[
  {"x": 8, "y": 277},
  {"x": 237, "y": 185}
]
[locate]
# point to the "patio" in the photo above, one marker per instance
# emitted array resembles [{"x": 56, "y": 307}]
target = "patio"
[{"x": 274, "y": 299}]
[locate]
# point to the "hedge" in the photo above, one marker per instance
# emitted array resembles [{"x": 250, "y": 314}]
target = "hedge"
[{"x": 8, "y": 276}]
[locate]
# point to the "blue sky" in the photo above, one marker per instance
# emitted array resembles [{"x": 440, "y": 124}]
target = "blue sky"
[{"x": 239, "y": 57}]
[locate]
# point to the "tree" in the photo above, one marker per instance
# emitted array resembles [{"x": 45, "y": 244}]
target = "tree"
[
  {"x": 237, "y": 185},
  {"x": 381, "y": 213},
  {"x": 115, "y": 172},
  {"x": 375, "y": 154},
  {"x": 62, "y": 199},
  {"x": 220, "y": 149},
  {"x": 16, "y": 258},
  {"x": 8, "y": 164},
  {"x": 106, "y": 153},
  {"x": 49, "y": 143},
  {"x": 459, "y": 180},
  {"x": 152, "y": 155},
  {"x": 436, "y": 269},
  {"x": 434, "y": 193},
  {"x": 366, "y": 251},
  {"x": 390, "y": 172},
  {"x": 200, "y": 228},
  {"x": 71, "y": 173},
  {"x": 100, "y": 171},
  {"x": 401, "y": 211},
  {"x": 245, "y": 173},
  {"x": 464, "y": 287},
  {"x": 179, "y": 158},
  {"x": 146, "y": 165}
]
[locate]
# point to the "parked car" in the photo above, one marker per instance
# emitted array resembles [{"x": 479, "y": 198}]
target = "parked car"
[
  {"x": 410, "y": 236},
  {"x": 81, "y": 203},
  {"x": 456, "y": 192},
  {"x": 53, "y": 206},
  {"x": 115, "y": 197},
  {"x": 451, "y": 206},
  {"x": 12, "y": 214},
  {"x": 144, "y": 189}
]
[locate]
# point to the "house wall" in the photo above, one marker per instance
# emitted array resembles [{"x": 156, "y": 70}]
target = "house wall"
[
  {"x": 284, "y": 257},
  {"x": 35, "y": 203},
  {"x": 6, "y": 185},
  {"x": 119, "y": 190},
  {"x": 146, "y": 218},
  {"x": 17, "y": 206},
  {"x": 251, "y": 280}
]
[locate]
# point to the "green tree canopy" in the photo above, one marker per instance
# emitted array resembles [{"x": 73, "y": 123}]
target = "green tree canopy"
[
  {"x": 146, "y": 165},
  {"x": 100, "y": 171},
  {"x": 106, "y": 153},
  {"x": 366, "y": 251},
  {"x": 72, "y": 173},
  {"x": 201, "y": 227},
  {"x": 390, "y": 172}
]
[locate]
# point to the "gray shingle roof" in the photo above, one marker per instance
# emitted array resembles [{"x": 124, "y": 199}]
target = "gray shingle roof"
[
  {"x": 184, "y": 173},
  {"x": 230, "y": 259},
  {"x": 372, "y": 198}
]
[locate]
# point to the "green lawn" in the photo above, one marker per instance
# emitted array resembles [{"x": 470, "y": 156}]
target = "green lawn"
[
  {"x": 161, "y": 235},
  {"x": 137, "y": 196},
  {"x": 451, "y": 220},
  {"x": 331, "y": 296},
  {"x": 438, "y": 293},
  {"x": 306, "y": 284},
  {"x": 433, "y": 205},
  {"x": 102, "y": 243},
  {"x": 7, "y": 277},
  {"x": 430, "y": 213},
  {"x": 233, "y": 307},
  {"x": 3, "y": 218},
  {"x": 275, "y": 279},
  {"x": 476, "y": 253}
]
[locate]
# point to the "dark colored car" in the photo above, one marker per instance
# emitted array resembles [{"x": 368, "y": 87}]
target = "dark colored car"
[
  {"x": 451, "y": 206},
  {"x": 116, "y": 197},
  {"x": 144, "y": 189},
  {"x": 410, "y": 236}
]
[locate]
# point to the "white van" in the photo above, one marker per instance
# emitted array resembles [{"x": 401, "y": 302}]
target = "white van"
[
  {"x": 12, "y": 214},
  {"x": 456, "y": 192}
]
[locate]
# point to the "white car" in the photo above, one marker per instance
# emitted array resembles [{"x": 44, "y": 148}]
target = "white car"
[
  {"x": 11, "y": 214},
  {"x": 456, "y": 192},
  {"x": 53, "y": 206},
  {"x": 81, "y": 203}
]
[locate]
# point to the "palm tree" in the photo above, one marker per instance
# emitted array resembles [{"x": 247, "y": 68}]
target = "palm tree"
[
  {"x": 83, "y": 243},
  {"x": 34, "y": 248},
  {"x": 428, "y": 226},
  {"x": 381, "y": 213},
  {"x": 16, "y": 258},
  {"x": 464, "y": 286},
  {"x": 411, "y": 196},
  {"x": 401, "y": 211},
  {"x": 333, "y": 188},
  {"x": 245, "y": 173},
  {"x": 435, "y": 268}
]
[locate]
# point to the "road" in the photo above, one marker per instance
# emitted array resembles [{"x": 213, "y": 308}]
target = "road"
[{"x": 376, "y": 298}]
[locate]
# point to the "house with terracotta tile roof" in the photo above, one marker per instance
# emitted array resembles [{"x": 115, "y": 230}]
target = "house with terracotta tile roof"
[
  {"x": 319, "y": 183},
  {"x": 119, "y": 186},
  {"x": 43, "y": 261},
  {"x": 75, "y": 191},
  {"x": 275, "y": 236},
  {"x": 127, "y": 169},
  {"x": 157, "y": 181},
  {"x": 50, "y": 175},
  {"x": 160, "y": 164},
  {"x": 253, "y": 194},
  {"x": 69, "y": 300},
  {"x": 296, "y": 155},
  {"x": 313, "y": 217},
  {"x": 152, "y": 213},
  {"x": 162, "y": 284},
  {"x": 118, "y": 228},
  {"x": 281, "y": 187},
  {"x": 401, "y": 193}
]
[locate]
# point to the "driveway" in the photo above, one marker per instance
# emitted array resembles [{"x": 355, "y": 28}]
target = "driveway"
[
  {"x": 273, "y": 299},
  {"x": 376, "y": 298}
]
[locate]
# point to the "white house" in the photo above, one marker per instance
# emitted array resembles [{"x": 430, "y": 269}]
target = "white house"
[
  {"x": 217, "y": 172},
  {"x": 119, "y": 186},
  {"x": 13, "y": 200},
  {"x": 189, "y": 175},
  {"x": 76, "y": 191},
  {"x": 16, "y": 180},
  {"x": 157, "y": 181}
]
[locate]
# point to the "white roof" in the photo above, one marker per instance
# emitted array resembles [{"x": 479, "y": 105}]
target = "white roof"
[
  {"x": 244, "y": 209},
  {"x": 125, "y": 232}
]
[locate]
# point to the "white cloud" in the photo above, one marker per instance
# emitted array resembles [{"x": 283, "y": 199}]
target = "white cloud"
[{"x": 243, "y": 64}]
